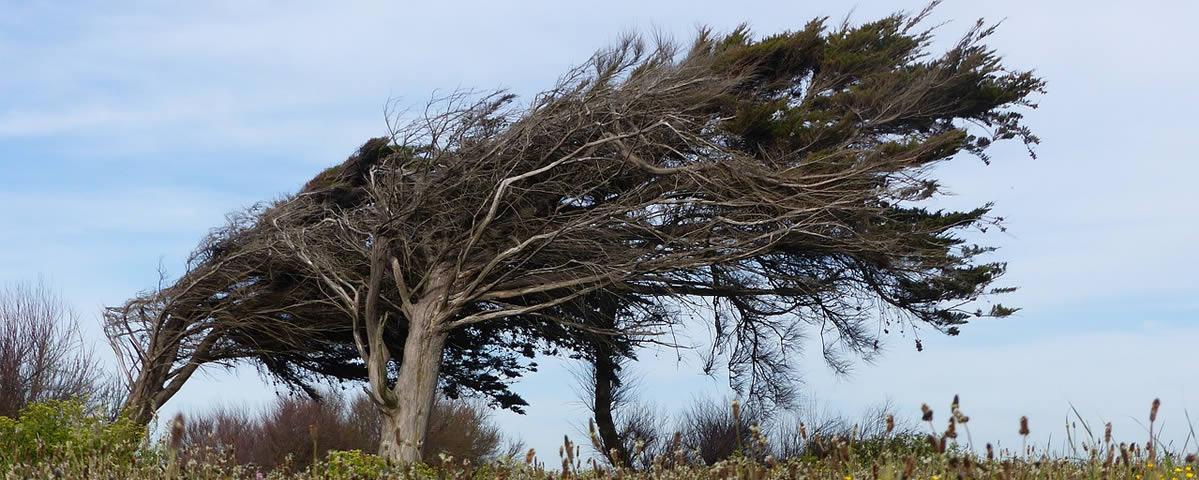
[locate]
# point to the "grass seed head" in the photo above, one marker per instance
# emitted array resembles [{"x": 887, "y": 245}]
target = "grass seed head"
[{"x": 177, "y": 429}]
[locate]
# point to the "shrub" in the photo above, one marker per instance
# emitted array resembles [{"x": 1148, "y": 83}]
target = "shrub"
[
  {"x": 64, "y": 430},
  {"x": 717, "y": 430},
  {"x": 354, "y": 464},
  {"x": 42, "y": 356},
  {"x": 293, "y": 431}
]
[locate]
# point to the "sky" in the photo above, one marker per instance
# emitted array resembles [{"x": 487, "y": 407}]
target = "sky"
[{"x": 128, "y": 130}]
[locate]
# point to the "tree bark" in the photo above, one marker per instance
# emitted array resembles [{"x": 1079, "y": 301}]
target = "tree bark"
[
  {"x": 156, "y": 382},
  {"x": 406, "y": 423},
  {"x": 606, "y": 383},
  {"x": 139, "y": 405}
]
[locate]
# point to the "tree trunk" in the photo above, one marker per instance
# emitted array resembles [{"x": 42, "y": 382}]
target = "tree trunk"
[
  {"x": 158, "y": 380},
  {"x": 606, "y": 383},
  {"x": 406, "y": 424},
  {"x": 145, "y": 394},
  {"x": 139, "y": 406}
]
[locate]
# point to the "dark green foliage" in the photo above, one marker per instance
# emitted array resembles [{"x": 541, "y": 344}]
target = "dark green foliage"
[
  {"x": 829, "y": 99},
  {"x": 814, "y": 89}
]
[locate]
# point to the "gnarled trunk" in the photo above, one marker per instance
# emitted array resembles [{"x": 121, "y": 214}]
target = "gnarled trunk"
[
  {"x": 406, "y": 424},
  {"x": 141, "y": 403}
]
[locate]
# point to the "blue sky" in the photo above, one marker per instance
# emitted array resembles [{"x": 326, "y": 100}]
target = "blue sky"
[{"x": 126, "y": 131}]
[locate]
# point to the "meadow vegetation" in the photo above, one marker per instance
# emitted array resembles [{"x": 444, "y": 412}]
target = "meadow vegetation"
[{"x": 63, "y": 439}]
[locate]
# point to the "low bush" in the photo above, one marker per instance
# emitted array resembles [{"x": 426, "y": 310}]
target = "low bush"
[{"x": 65, "y": 430}]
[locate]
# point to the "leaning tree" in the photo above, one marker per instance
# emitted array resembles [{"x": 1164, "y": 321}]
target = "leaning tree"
[
  {"x": 786, "y": 177},
  {"x": 240, "y": 301}
]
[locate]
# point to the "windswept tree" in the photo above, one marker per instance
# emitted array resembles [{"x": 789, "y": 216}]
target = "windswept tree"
[
  {"x": 242, "y": 301},
  {"x": 786, "y": 176}
]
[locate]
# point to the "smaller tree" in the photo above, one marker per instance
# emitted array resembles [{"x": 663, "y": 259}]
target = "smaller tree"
[
  {"x": 604, "y": 390},
  {"x": 42, "y": 354}
]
